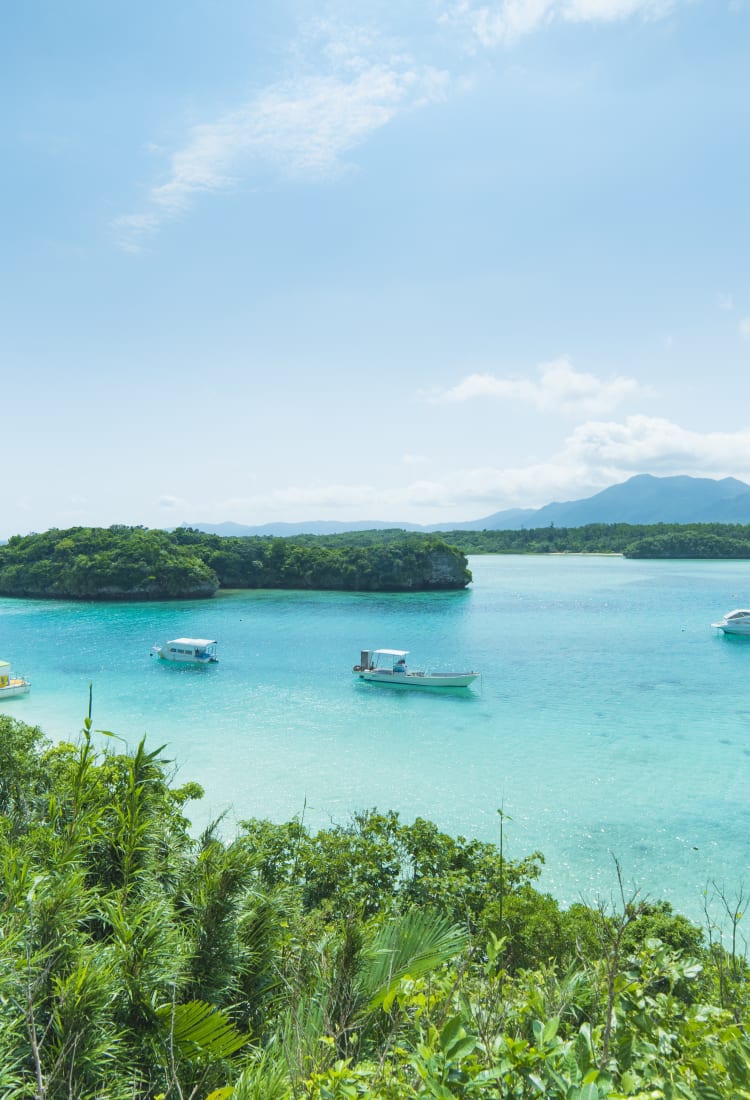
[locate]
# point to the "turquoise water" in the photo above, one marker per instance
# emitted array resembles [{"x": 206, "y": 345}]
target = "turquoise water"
[{"x": 610, "y": 720}]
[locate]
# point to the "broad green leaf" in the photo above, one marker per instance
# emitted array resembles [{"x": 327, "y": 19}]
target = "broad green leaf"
[
  {"x": 585, "y": 1092},
  {"x": 455, "y": 1042}
]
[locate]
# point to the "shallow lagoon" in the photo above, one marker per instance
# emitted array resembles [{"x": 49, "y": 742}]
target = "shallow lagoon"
[{"x": 610, "y": 720}]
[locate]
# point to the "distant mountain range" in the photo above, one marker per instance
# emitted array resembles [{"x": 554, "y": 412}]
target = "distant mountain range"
[{"x": 641, "y": 499}]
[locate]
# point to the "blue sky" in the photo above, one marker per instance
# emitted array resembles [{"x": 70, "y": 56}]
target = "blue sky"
[{"x": 368, "y": 261}]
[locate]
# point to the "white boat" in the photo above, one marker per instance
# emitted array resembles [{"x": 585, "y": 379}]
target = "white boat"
[
  {"x": 190, "y": 651},
  {"x": 388, "y": 666},
  {"x": 735, "y": 622},
  {"x": 12, "y": 685}
]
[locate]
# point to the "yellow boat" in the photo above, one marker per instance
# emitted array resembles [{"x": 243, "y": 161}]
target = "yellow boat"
[{"x": 12, "y": 685}]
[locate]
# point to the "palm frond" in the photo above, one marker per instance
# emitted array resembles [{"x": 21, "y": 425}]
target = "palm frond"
[
  {"x": 410, "y": 945},
  {"x": 197, "y": 1029}
]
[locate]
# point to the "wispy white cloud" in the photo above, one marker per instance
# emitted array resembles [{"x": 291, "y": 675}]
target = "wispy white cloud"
[
  {"x": 492, "y": 24},
  {"x": 597, "y": 454},
  {"x": 299, "y": 128},
  {"x": 745, "y": 328},
  {"x": 505, "y": 21},
  {"x": 355, "y": 82},
  {"x": 643, "y": 444},
  {"x": 612, "y": 10},
  {"x": 559, "y": 388}
]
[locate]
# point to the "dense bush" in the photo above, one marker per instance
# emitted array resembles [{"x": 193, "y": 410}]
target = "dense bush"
[
  {"x": 374, "y": 958},
  {"x": 95, "y": 563}
]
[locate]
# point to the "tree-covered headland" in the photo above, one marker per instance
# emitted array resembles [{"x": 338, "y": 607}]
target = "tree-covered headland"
[
  {"x": 370, "y": 959},
  {"x": 136, "y": 563}
]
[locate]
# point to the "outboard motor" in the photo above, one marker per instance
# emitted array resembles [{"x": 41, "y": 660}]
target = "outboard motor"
[{"x": 364, "y": 661}]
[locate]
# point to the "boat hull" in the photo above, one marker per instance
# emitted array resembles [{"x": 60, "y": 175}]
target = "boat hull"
[
  {"x": 173, "y": 660},
  {"x": 15, "y": 687},
  {"x": 735, "y": 622},
  {"x": 417, "y": 679},
  {"x": 741, "y": 630},
  {"x": 187, "y": 651}
]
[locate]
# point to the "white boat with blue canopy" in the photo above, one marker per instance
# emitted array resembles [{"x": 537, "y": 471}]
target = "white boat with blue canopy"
[
  {"x": 388, "y": 666},
  {"x": 190, "y": 651}
]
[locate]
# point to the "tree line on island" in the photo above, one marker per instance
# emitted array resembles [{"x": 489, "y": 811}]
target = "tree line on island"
[
  {"x": 658, "y": 540},
  {"x": 371, "y": 958},
  {"x": 122, "y": 562},
  {"x": 137, "y": 563}
]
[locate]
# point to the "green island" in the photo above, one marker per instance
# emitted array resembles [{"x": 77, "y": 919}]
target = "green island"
[
  {"x": 658, "y": 540},
  {"x": 121, "y": 563},
  {"x": 135, "y": 563},
  {"x": 372, "y": 958}
]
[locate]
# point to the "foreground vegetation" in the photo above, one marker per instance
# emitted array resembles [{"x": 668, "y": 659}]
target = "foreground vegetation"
[
  {"x": 372, "y": 959},
  {"x": 135, "y": 563},
  {"x": 659, "y": 540}
]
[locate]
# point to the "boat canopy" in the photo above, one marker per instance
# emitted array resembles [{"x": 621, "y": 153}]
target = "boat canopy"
[
  {"x": 392, "y": 652},
  {"x": 198, "y": 643}
]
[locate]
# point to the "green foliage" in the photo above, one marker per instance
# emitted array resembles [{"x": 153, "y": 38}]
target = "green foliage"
[
  {"x": 103, "y": 563},
  {"x": 660, "y": 540},
  {"x": 200, "y": 1030},
  {"x": 407, "y": 946},
  {"x": 23, "y": 779},
  {"x": 377, "y": 864},
  {"x": 135, "y": 563},
  {"x": 377, "y": 561},
  {"x": 265, "y": 1078},
  {"x": 373, "y": 959}
]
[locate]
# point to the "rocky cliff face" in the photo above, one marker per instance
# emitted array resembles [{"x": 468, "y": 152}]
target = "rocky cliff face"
[
  {"x": 202, "y": 590},
  {"x": 448, "y": 570},
  {"x": 438, "y": 569},
  {"x": 147, "y": 591}
]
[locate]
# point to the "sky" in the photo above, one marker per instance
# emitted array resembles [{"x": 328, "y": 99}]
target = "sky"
[{"x": 369, "y": 260}]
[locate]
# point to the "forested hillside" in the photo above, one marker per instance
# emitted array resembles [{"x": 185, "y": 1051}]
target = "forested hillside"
[{"x": 136, "y": 563}]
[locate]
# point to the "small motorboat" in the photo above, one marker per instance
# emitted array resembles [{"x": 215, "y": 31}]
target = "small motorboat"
[
  {"x": 190, "y": 651},
  {"x": 388, "y": 666},
  {"x": 12, "y": 685},
  {"x": 735, "y": 622}
]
